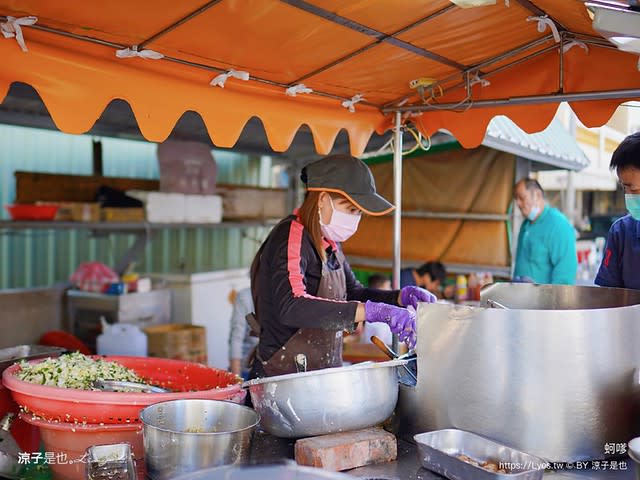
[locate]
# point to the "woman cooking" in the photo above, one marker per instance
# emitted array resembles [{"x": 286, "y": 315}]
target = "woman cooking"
[{"x": 304, "y": 291}]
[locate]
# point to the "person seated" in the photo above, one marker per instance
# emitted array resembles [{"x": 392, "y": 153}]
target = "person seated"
[{"x": 430, "y": 276}]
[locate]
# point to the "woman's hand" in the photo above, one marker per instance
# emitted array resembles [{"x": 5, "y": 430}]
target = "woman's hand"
[
  {"x": 401, "y": 321},
  {"x": 413, "y": 295}
]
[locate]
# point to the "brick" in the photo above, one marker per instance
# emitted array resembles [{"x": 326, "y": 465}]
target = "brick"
[{"x": 343, "y": 451}]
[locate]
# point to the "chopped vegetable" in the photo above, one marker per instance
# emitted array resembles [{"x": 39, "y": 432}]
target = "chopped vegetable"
[{"x": 74, "y": 370}]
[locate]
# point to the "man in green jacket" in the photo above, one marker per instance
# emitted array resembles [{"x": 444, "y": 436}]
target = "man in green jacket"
[{"x": 547, "y": 241}]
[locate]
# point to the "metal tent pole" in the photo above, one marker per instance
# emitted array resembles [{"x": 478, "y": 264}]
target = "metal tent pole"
[
  {"x": 397, "y": 213},
  {"x": 631, "y": 93}
]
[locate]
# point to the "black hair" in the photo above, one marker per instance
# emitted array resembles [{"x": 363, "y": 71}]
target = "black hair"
[
  {"x": 435, "y": 270},
  {"x": 376, "y": 280},
  {"x": 627, "y": 154},
  {"x": 531, "y": 185}
]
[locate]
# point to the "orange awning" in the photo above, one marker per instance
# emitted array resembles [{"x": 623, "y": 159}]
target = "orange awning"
[{"x": 339, "y": 49}]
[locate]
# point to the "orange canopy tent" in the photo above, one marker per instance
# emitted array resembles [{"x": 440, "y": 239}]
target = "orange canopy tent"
[
  {"x": 467, "y": 64},
  {"x": 361, "y": 66}
]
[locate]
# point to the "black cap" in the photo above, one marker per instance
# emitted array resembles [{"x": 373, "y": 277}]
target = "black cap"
[{"x": 349, "y": 177}]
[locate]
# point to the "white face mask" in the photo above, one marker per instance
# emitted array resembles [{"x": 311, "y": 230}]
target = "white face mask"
[
  {"x": 533, "y": 213},
  {"x": 341, "y": 226}
]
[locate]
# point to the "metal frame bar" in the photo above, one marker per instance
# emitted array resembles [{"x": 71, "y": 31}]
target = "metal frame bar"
[
  {"x": 505, "y": 67},
  {"x": 540, "y": 13},
  {"x": 384, "y": 263},
  {"x": 126, "y": 227},
  {"x": 397, "y": 213},
  {"x": 478, "y": 67},
  {"x": 568, "y": 35},
  {"x": 489, "y": 217},
  {"x": 202, "y": 66},
  {"x": 527, "y": 100},
  {"x": 357, "y": 52},
  {"x": 379, "y": 36},
  {"x": 183, "y": 20},
  {"x": 397, "y": 200}
]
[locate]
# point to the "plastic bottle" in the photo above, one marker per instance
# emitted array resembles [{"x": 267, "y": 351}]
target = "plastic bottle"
[
  {"x": 461, "y": 288},
  {"x": 473, "y": 287},
  {"x": 121, "y": 339}
]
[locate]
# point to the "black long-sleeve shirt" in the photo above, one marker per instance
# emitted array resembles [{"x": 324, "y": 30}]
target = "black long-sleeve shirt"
[{"x": 287, "y": 283}]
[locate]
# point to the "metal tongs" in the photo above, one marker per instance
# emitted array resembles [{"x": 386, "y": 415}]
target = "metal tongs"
[
  {"x": 119, "y": 386},
  {"x": 494, "y": 304},
  {"x": 410, "y": 355}
]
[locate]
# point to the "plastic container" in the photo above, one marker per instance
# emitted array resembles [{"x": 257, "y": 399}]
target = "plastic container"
[
  {"x": 461, "y": 288},
  {"x": 32, "y": 212},
  {"x": 121, "y": 339},
  {"x": 185, "y": 379},
  {"x": 69, "y": 441}
]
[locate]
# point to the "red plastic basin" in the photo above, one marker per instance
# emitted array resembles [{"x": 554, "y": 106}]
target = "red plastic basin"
[
  {"x": 66, "y": 444},
  {"x": 185, "y": 379}
]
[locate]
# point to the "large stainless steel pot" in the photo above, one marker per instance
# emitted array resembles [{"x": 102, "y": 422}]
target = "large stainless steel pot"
[
  {"x": 326, "y": 401},
  {"x": 182, "y": 436},
  {"x": 553, "y": 375}
]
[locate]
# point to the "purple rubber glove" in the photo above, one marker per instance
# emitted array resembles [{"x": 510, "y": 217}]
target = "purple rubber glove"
[
  {"x": 401, "y": 321},
  {"x": 412, "y": 295}
]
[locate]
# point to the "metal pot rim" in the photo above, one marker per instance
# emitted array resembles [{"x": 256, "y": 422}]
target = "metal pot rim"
[
  {"x": 147, "y": 424},
  {"x": 325, "y": 371}
]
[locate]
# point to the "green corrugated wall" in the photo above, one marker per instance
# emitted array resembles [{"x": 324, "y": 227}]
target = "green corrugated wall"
[{"x": 30, "y": 258}]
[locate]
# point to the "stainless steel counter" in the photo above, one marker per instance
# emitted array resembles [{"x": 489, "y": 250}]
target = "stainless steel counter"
[{"x": 269, "y": 449}]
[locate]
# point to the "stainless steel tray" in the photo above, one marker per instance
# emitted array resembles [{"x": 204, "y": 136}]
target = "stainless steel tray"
[
  {"x": 10, "y": 355},
  {"x": 439, "y": 452},
  {"x": 110, "y": 462}
]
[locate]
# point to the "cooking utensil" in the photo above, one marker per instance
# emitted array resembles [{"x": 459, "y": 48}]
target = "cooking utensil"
[
  {"x": 110, "y": 462},
  {"x": 440, "y": 451},
  {"x": 119, "y": 386},
  {"x": 10, "y": 466},
  {"x": 393, "y": 355},
  {"x": 494, "y": 304},
  {"x": 326, "y": 401},
  {"x": 182, "y": 436},
  {"x": 541, "y": 349},
  {"x": 301, "y": 362}
]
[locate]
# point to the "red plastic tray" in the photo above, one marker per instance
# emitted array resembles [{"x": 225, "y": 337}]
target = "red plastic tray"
[
  {"x": 32, "y": 212},
  {"x": 186, "y": 379}
]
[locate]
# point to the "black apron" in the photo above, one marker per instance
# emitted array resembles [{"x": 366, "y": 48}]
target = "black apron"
[{"x": 323, "y": 348}]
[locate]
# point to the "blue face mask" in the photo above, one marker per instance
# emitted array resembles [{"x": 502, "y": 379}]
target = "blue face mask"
[
  {"x": 632, "y": 201},
  {"x": 533, "y": 213}
]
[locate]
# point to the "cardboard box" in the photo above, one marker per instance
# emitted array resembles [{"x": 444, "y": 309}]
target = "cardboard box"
[
  {"x": 177, "y": 341},
  {"x": 109, "y": 214},
  {"x": 75, "y": 211},
  {"x": 240, "y": 202}
]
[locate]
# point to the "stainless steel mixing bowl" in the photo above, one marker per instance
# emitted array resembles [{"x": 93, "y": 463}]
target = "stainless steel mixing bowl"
[
  {"x": 182, "y": 436},
  {"x": 326, "y": 401}
]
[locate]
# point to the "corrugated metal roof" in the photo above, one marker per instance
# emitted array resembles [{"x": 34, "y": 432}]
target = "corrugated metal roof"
[{"x": 553, "y": 146}]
